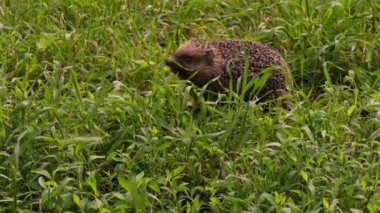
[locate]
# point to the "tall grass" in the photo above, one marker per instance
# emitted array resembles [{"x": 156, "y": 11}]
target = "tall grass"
[{"x": 91, "y": 120}]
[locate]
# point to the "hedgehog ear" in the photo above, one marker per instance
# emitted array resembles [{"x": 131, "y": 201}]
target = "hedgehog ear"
[{"x": 209, "y": 56}]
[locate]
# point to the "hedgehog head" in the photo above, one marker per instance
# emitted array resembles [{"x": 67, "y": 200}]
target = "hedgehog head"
[{"x": 197, "y": 61}]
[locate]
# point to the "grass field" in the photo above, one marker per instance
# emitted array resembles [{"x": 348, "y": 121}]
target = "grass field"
[{"x": 92, "y": 121}]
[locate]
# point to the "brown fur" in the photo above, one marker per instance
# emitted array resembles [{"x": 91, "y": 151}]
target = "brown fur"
[{"x": 197, "y": 63}]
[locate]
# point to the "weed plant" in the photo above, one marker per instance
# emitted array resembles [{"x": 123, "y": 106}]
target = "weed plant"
[{"x": 92, "y": 121}]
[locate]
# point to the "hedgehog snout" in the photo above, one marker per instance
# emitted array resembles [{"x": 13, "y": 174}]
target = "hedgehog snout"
[{"x": 168, "y": 62}]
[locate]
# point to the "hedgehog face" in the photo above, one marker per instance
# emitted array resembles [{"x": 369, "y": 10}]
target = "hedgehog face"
[
  {"x": 196, "y": 61},
  {"x": 193, "y": 62}
]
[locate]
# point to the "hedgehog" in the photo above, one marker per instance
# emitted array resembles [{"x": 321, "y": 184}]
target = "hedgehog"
[{"x": 216, "y": 64}]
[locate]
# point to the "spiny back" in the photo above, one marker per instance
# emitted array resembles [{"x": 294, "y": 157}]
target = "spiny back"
[{"x": 234, "y": 53}]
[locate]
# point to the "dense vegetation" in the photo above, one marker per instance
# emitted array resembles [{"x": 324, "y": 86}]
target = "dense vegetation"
[{"x": 92, "y": 121}]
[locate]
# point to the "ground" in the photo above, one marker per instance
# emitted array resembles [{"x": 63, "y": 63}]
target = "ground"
[{"x": 92, "y": 121}]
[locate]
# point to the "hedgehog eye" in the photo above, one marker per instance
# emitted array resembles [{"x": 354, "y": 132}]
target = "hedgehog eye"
[{"x": 188, "y": 60}]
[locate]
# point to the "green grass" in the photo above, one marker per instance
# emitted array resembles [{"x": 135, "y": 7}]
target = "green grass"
[{"x": 92, "y": 121}]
